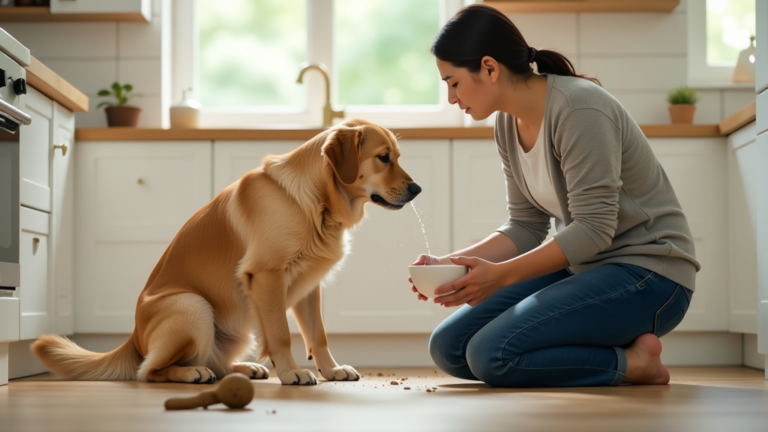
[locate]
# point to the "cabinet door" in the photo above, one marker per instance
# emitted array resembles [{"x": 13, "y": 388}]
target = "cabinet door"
[
  {"x": 371, "y": 292},
  {"x": 232, "y": 159},
  {"x": 34, "y": 296},
  {"x": 116, "y": 8},
  {"x": 34, "y": 152},
  {"x": 131, "y": 200},
  {"x": 62, "y": 220},
  {"x": 696, "y": 169},
  {"x": 479, "y": 191}
]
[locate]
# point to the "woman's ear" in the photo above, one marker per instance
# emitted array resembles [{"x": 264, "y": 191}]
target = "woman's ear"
[
  {"x": 490, "y": 68},
  {"x": 342, "y": 149}
]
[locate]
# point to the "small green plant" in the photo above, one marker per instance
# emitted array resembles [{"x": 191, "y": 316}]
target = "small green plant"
[
  {"x": 682, "y": 95},
  {"x": 120, "y": 93}
]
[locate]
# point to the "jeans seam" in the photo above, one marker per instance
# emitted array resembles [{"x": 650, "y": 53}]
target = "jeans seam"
[
  {"x": 668, "y": 303},
  {"x": 651, "y": 274}
]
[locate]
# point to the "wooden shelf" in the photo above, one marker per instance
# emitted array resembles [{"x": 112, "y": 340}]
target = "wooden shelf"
[
  {"x": 52, "y": 85},
  {"x": 739, "y": 119},
  {"x": 561, "y": 6},
  {"x": 43, "y": 14}
]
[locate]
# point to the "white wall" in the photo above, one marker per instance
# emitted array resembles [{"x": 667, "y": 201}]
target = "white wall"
[
  {"x": 638, "y": 57},
  {"x": 91, "y": 56}
]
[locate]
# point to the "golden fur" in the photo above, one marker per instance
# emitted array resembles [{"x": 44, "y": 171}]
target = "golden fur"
[{"x": 263, "y": 245}]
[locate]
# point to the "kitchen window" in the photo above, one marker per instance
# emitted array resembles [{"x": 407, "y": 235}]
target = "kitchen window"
[
  {"x": 717, "y": 31},
  {"x": 242, "y": 59}
]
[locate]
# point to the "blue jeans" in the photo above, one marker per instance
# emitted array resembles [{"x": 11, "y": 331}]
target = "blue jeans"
[{"x": 559, "y": 330}]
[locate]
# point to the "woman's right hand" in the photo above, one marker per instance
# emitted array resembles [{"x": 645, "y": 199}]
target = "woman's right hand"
[{"x": 423, "y": 259}]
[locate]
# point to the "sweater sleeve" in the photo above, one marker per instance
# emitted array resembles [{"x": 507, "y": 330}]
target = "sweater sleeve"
[
  {"x": 527, "y": 225},
  {"x": 588, "y": 143}
]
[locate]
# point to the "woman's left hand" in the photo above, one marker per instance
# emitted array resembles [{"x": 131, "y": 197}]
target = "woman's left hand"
[{"x": 482, "y": 281}]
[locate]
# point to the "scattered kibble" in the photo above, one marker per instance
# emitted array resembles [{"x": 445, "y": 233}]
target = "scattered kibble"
[
  {"x": 394, "y": 383},
  {"x": 406, "y": 388},
  {"x": 429, "y": 391}
]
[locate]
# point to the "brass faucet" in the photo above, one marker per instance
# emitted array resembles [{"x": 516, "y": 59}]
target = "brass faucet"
[{"x": 328, "y": 113}]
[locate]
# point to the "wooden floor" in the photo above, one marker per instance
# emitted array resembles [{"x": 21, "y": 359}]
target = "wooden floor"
[{"x": 698, "y": 399}]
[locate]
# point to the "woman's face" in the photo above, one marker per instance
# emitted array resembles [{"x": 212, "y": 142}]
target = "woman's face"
[{"x": 474, "y": 92}]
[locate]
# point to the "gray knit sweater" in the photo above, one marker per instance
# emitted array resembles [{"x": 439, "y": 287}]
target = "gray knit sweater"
[{"x": 617, "y": 202}]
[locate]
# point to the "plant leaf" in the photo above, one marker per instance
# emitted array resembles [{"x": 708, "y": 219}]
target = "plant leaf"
[
  {"x": 128, "y": 87},
  {"x": 118, "y": 90},
  {"x": 105, "y": 103},
  {"x": 104, "y": 92}
]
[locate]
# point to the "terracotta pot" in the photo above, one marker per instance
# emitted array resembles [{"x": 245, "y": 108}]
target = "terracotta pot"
[
  {"x": 682, "y": 113},
  {"x": 122, "y": 115}
]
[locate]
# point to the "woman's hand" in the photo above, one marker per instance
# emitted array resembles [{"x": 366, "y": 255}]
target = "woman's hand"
[
  {"x": 423, "y": 259},
  {"x": 482, "y": 281}
]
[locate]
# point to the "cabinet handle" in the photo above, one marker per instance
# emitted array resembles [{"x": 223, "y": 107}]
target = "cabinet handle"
[
  {"x": 35, "y": 244},
  {"x": 63, "y": 148},
  {"x": 140, "y": 181}
]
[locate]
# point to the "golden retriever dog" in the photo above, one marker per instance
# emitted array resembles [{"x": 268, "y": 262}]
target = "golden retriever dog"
[{"x": 263, "y": 245}]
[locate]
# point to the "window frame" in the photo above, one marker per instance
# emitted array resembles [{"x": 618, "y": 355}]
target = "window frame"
[
  {"x": 701, "y": 74},
  {"x": 320, "y": 15}
]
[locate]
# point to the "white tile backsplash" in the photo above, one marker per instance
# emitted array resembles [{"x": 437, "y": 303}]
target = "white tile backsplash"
[
  {"x": 67, "y": 41},
  {"x": 549, "y": 31},
  {"x": 623, "y": 34},
  {"x": 636, "y": 72},
  {"x": 144, "y": 75},
  {"x": 709, "y": 107},
  {"x": 88, "y": 76},
  {"x": 139, "y": 39}
]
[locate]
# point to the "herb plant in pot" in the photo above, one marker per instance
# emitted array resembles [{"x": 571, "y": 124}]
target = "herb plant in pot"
[
  {"x": 118, "y": 113},
  {"x": 682, "y": 105}
]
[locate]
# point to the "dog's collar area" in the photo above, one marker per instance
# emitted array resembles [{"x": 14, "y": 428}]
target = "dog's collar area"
[{"x": 376, "y": 198}]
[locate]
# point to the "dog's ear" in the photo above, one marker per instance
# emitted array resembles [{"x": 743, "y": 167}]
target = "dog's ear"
[{"x": 342, "y": 148}]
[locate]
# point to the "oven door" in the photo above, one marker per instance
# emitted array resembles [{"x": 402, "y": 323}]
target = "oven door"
[{"x": 9, "y": 210}]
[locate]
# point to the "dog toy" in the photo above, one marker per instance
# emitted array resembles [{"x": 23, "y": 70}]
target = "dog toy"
[{"x": 234, "y": 391}]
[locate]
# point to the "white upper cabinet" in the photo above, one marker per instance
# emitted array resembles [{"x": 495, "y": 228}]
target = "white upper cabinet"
[{"x": 139, "y": 8}]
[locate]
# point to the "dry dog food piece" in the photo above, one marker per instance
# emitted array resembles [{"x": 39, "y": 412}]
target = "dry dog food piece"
[
  {"x": 380, "y": 374},
  {"x": 394, "y": 383},
  {"x": 403, "y": 379},
  {"x": 406, "y": 388},
  {"x": 429, "y": 391}
]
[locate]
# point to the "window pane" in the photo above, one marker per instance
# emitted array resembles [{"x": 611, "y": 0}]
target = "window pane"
[
  {"x": 382, "y": 51},
  {"x": 730, "y": 23},
  {"x": 250, "y": 52}
]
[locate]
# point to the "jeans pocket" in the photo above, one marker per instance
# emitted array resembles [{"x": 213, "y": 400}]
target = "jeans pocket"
[{"x": 672, "y": 312}]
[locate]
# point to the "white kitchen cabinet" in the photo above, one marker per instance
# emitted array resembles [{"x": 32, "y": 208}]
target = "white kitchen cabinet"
[
  {"x": 697, "y": 170},
  {"x": 232, "y": 159},
  {"x": 139, "y": 8},
  {"x": 479, "y": 191},
  {"x": 371, "y": 292},
  {"x": 132, "y": 198},
  {"x": 34, "y": 295},
  {"x": 61, "y": 266},
  {"x": 743, "y": 167},
  {"x": 34, "y": 152}
]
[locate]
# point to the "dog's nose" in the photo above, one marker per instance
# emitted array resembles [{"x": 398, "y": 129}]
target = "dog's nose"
[{"x": 414, "y": 189}]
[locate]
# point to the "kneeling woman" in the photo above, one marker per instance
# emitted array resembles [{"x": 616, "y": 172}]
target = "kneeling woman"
[{"x": 585, "y": 308}]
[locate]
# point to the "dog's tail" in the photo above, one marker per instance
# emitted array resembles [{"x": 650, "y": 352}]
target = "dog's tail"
[{"x": 67, "y": 360}]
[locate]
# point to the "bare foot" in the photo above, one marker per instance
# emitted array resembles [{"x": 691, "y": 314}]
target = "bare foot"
[{"x": 644, "y": 362}]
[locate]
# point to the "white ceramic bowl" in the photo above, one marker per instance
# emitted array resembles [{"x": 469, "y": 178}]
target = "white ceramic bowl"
[{"x": 427, "y": 278}]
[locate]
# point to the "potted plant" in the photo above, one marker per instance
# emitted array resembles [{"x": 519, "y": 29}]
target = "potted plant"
[
  {"x": 682, "y": 105},
  {"x": 118, "y": 113}
]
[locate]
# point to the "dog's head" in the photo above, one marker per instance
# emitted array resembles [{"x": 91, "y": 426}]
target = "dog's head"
[{"x": 364, "y": 158}]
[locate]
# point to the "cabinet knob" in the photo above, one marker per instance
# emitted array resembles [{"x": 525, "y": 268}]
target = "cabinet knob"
[
  {"x": 140, "y": 181},
  {"x": 63, "y": 148},
  {"x": 35, "y": 244}
]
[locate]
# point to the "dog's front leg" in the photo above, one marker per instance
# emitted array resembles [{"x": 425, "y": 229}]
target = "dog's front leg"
[
  {"x": 267, "y": 292},
  {"x": 310, "y": 320}
]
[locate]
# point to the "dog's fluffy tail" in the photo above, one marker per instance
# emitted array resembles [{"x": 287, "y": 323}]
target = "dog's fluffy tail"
[{"x": 67, "y": 360}]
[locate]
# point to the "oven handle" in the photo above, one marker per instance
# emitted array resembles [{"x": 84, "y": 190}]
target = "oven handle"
[{"x": 18, "y": 115}]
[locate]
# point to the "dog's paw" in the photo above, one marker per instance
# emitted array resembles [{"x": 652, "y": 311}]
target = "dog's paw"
[
  {"x": 251, "y": 370},
  {"x": 298, "y": 377},
  {"x": 194, "y": 374},
  {"x": 340, "y": 373}
]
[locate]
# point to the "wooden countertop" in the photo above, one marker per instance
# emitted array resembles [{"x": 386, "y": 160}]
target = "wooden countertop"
[
  {"x": 135, "y": 134},
  {"x": 50, "y": 84}
]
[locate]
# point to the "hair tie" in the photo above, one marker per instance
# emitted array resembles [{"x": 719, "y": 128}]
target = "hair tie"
[{"x": 532, "y": 57}]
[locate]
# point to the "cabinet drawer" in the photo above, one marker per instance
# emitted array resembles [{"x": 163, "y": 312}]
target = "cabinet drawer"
[
  {"x": 9, "y": 319},
  {"x": 33, "y": 258}
]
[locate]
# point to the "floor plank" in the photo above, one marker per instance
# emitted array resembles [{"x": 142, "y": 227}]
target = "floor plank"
[{"x": 698, "y": 399}]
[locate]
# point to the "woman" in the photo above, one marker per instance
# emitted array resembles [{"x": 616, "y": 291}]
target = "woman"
[{"x": 586, "y": 307}]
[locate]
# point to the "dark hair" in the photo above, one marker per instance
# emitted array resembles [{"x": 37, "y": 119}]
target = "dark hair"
[{"x": 479, "y": 30}]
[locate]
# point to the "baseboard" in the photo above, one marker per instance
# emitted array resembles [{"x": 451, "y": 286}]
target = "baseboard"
[
  {"x": 22, "y": 361},
  {"x": 398, "y": 350},
  {"x": 752, "y": 358}
]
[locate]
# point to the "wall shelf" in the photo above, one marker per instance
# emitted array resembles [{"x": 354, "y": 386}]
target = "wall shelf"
[
  {"x": 562, "y": 6},
  {"x": 43, "y": 14}
]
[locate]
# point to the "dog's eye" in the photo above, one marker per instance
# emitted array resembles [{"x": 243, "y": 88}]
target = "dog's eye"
[{"x": 384, "y": 158}]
